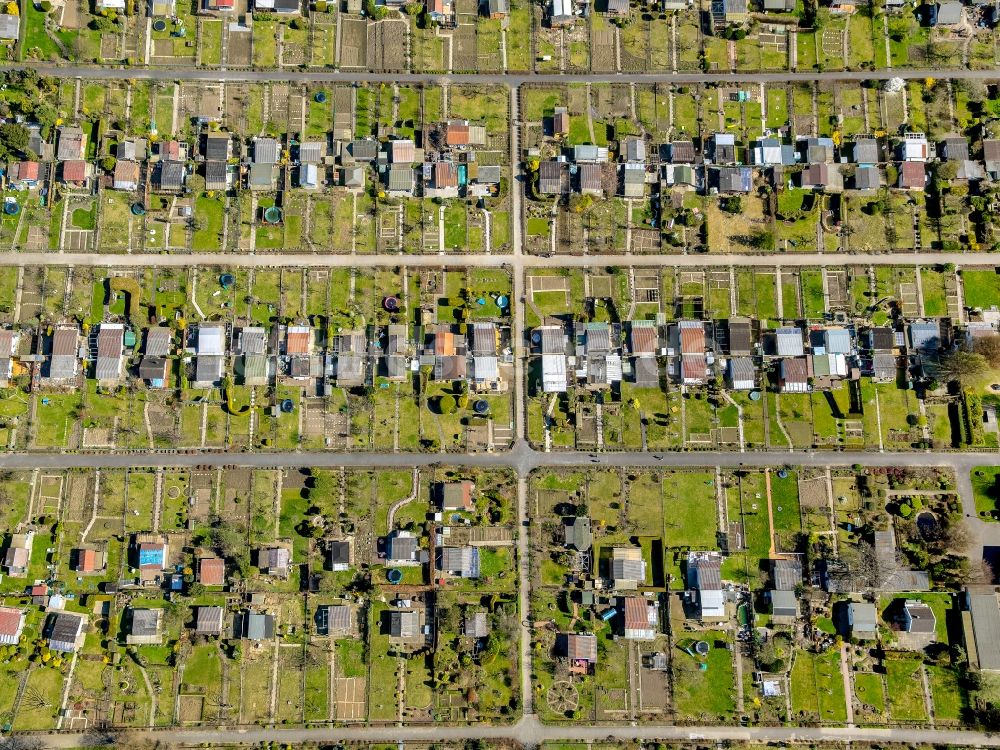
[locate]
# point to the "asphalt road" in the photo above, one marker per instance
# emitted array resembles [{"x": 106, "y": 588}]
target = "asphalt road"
[
  {"x": 529, "y": 731},
  {"x": 478, "y": 260},
  {"x": 522, "y": 459},
  {"x": 502, "y": 79}
]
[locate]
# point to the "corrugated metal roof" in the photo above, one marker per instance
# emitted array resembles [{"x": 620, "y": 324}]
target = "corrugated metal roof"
[
  {"x": 265, "y": 151},
  {"x": 788, "y": 342},
  {"x": 158, "y": 341}
]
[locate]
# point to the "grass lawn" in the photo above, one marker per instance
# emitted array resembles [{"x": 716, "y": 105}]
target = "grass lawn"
[
  {"x": 812, "y": 294},
  {"x": 84, "y": 218},
  {"x": 268, "y": 236},
  {"x": 351, "y": 658},
  {"x": 935, "y": 302},
  {"x": 949, "y": 696},
  {"x": 895, "y": 404},
  {"x": 537, "y": 226},
  {"x": 9, "y": 682},
  {"x": 868, "y": 690},
  {"x": 17, "y": 489},
  {"x": 37, "y": 43},
  {"x": 115, "y": 220},
  {"x": 984, "y": 485},
  {"x": 265, "y": 44},
  {"x": 55, "y": 419},
  {"x": 256, "y": 682},
  {"x": 785, "y": 505},
  {"x": 317, "y": 683},
  {"x": 753, "y": 507},
  {"x": 203, "y": 669},
  {"x": 209, "y": 216},
  {"x": 906, "y": 695},
  {"x": 211, "y": 41},
  {"x": 689, "y": 510},
  {"x": 981, "y": 287},
  {"x": 777, "y": 107},
  {"x": 789, "y": 297},
  {"x": 818, "y": 688},
  {"x": 418, "y": 681},
  {"x": 705, "y": 694},
  {"x": 319, "y": 117},
  {"x": 796, "y": 415},
  {"x": 47, "y": 683},
  {"x": 382, "y": 682},
  {"x": 455, "y": 226},
  {"x": 519, "y": 36}
]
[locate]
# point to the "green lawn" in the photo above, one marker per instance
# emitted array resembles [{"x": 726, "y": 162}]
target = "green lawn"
[
  {"x": 37, "y": 43},
  {"x": 986, "y": 489},
  {"x": 211, "y": 41},
  {"x": 935, "y": 301},
  {"x": 382, "y": 682},
  {"x": 981, "y": 287},
  {"x": 455, "y": 226},
  {"x": 704, "y": 694},
  {"x": 869, "y": 691},
  {"x": 55, "y": 419},
  {"x": 265, "y": 44},
  {"x": 47, "y": 684},
  {"x": 906, "y": 695},
  {"x": 537, "y": 226},
  {"x": 785, "y": 506},
  {"x": 949, "y": 696},
  {"x": 812, "y": 294},
  {"x": 818, "y": 688},
  {"x": 350, "y": 658},
  {"x": 209, "y": 218},
  {"x": 689, "y": 510},
  {"x": 83, "y": 218}
]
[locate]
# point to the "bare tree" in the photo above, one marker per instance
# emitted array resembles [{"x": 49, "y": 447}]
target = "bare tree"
[
  {"x": 865, "y": 569},
  {"x": 35, "y": 699},
  {"x": 100, "y": 737},
  {"x": 20, "y": 743}
]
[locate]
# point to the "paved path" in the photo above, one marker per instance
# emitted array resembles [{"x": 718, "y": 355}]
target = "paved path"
[
  {"x": 523, "y": 459},
  {"x": 529, "y": 731},
  {"x": 502, "y": 79},
  {"x": 481, "y": 260}
]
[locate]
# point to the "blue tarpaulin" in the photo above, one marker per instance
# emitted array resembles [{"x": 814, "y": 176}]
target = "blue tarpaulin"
[{"x": 151, "y": 557}]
